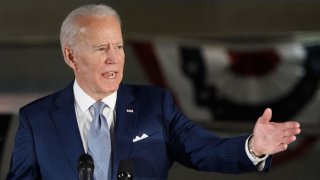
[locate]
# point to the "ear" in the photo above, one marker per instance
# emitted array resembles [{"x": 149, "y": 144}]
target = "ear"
[{"x": 69, "y": 57}]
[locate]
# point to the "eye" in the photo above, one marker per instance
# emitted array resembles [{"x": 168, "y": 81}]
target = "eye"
[
  {"x": 100, "y": 48},
  {"x": 120, "y": 46}
]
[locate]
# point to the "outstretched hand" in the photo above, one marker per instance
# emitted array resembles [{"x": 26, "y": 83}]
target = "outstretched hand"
[{"x": 271, "y": 137}]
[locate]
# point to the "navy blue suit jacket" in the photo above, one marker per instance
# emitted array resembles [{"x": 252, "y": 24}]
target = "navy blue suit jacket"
[{"x": 48, "y": 142}]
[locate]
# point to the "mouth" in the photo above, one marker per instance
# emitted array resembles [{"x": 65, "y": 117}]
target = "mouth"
[{"x": 110, "y": 75}]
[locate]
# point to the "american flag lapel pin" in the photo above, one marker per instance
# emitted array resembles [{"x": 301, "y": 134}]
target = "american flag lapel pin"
[{"x": 129, "y": 110}]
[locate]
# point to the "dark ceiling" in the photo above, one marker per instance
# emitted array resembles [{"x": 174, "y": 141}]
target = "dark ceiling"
[{"x": 38, "y": 20}]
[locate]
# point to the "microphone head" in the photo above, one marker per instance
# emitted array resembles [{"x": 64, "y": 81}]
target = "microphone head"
[
  {"x": 85, "y": 162},
  {"x": 125, "y": 169}
]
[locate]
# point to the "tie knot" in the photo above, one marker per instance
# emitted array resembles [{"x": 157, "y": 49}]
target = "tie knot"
[{"x": 98, "y": 107}]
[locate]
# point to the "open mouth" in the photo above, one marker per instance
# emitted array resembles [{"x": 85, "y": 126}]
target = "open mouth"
[{"x": 110, "y": 75}]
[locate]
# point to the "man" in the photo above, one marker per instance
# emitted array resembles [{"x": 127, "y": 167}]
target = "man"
[{"x": 145, "y": 125}]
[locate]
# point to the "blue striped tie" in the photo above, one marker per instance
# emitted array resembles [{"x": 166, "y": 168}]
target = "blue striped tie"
[{"x": 99, "y": 143}]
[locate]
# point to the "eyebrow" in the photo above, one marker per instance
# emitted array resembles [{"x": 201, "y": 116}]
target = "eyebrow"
[{"x": 104, "y": 44}]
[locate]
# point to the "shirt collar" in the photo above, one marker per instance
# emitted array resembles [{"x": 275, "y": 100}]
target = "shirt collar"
[{"x": 84, "y": 101}]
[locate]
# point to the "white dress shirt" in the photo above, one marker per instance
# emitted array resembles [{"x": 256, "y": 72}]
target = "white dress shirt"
[
  {"x": 258, "y": 162},
  {"x": 84, "y": 113},
  {"x": 82, "y": 105}
]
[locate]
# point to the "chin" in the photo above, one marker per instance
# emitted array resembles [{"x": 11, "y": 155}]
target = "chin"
[{"x": 112, "y": 88}]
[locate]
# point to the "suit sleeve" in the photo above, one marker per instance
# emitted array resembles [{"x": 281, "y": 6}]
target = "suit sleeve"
[
  {"x": 200, "y": 149},
  {"x": 23, "y": 161}
]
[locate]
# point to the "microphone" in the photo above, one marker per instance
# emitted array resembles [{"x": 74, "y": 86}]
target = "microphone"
[
  {"x": 125, "y": 170},
  {"x": 85, "y": 167}
]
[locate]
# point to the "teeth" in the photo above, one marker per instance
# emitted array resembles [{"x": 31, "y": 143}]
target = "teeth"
[{"x": 110, "y": 75}]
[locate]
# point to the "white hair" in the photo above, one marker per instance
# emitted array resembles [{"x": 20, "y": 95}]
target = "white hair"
[{"x": 69, "y": 27}]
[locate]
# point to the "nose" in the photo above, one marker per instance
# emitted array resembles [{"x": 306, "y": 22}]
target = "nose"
[{"x": 111, "y": 57}]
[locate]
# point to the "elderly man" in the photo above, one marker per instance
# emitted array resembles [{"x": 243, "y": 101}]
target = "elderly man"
[{"x": 98, "y": 115}]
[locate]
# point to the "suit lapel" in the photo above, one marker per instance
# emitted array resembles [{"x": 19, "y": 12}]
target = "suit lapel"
[
  {"x": 66, "y": 124},
  {"x": 126, "y": 113}
]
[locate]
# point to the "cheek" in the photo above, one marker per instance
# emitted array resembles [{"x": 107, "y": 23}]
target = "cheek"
[
  {"x": 86, "y": 63},
  {"x": 121, "y": 60},
  {"x": 87, "y": 69},
  {"x": 82, "y": 66}
]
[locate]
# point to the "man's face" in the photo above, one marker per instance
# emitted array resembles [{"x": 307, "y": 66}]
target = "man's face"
[{"x": 98, "y": 58}]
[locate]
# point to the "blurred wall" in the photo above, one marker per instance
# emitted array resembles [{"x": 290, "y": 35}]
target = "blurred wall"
[{"x": 32, "y": 64}]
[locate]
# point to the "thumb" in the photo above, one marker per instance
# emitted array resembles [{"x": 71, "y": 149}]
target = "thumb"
[{"x": 266, "y": 116}]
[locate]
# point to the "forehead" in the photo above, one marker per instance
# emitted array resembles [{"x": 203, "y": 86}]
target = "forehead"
[{"x": 92, "y": 26}]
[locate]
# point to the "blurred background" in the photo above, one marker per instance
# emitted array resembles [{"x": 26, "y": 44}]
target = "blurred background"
[{"x": 224, "y": 61}]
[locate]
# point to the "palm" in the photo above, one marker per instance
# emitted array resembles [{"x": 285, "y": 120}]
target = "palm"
[{"x": 270, "y": 137}]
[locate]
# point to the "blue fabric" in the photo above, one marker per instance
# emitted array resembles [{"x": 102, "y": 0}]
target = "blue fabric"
[
  {"x": 48, "y": 142},
  {"x": 99, "y": 143}
]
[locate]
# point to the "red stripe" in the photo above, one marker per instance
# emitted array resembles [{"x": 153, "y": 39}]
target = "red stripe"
[
  {"x": 253, "y": 63},
  {"x": 149, "y": 61}
]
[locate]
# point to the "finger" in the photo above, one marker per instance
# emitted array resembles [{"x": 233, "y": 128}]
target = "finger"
[
  {"x": 286, "y": 125},
  {"x": 266, "y": 116},
  {"x": 279, "y": 148},
  {"x": 291, "y": 124},
  {"x": 288, "y": 140},
  {"x": 284, "y": 147},
  {"x": 291, "y": 132}
]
